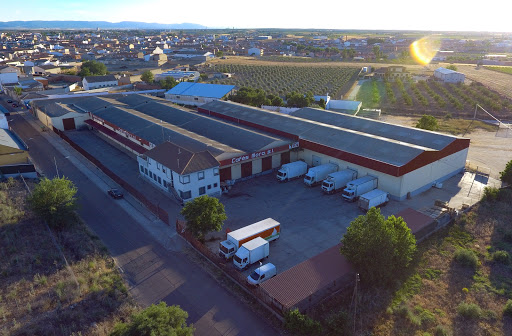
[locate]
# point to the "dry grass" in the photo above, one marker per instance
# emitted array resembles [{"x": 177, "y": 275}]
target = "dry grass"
[
  {"x": 437, "y": 286},
  {"x": 461, "y": 126},
  {"x": 38, "y": 294}
]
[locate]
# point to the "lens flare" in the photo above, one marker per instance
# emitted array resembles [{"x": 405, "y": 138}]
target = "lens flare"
[{"x": 424, "y": 49}]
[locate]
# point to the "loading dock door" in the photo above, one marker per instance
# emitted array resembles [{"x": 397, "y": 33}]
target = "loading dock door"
[
  {"x": 69, "y": 124},
  {"x": 285, "y": 158},
  {"x": 225, "y": 174},
  {"x": 266, "y": 163},
  {"x": 246, "y": 169}
]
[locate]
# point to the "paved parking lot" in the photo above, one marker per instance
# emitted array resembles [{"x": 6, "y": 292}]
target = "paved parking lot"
[{"x": 311, "y": 222}]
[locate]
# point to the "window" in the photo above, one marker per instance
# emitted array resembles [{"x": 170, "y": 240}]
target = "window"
[
  {"x": 200, "y": 176},
  {"x": 215, "y": 171},
  {"x": 150, "y": 174},
  {"x": 185, "y": 179},
  {"x": 209, "y": 186},
  {"x": 163, "y": 169},
  {"x": 196, "y": 98},
  {"x": 159, "y": 180},
  {"x": 145, "y": 171},
  {"x": 177, "y": 97},
  {"x": 141, "y": 169},
  {"x": 215, "y": 185},
  {"x": 185, "y": 194},
  {"x": 202, "y": 191},
  {"x": 154, "y": 177},
  {"x": 165, "y": 183},
  {"x": 158, "y": 165}
]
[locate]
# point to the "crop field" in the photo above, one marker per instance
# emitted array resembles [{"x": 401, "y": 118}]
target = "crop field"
[
  {"x": 497, "y": 81},
  {"x": 432, "y": 96},
  {"x": 504, "y": 69},
  {"x": 283, "y": 79}
]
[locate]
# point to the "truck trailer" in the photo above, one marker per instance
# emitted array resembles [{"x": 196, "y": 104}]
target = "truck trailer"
[
  {"x": 317, "y": 174},
  {"x": 372, "y": 199},
  {"x": 292, "y": 170},
  {"x": 268, "y": 229},
  {"x": 251, "y": 252},
  {"x": 337, "y": 181},
  {"x": 358, "y": 187}
]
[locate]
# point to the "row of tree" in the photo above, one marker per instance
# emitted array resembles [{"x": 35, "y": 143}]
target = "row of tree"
[{"x": 258, "y": 97}]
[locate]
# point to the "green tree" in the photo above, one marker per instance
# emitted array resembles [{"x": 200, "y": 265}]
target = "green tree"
[
  {"x": 204, "y": 214},
  {"x": 219, "y": 53},
  {"x": 168, "y": 83},
  {"x": 18, "y": 90},
  {"x": 147, "y": 76},
  {"x": 300, "y": 324},
  {"x": 322, "y": 103},
  {"x": 378, "y": 248},
  {"x": 506, "y": 174},
  {"x": 452, "y": 67},
  {"x": 376, "y": 51},
  {"x": 54, "y": 201},
  {"x": 295, "y": 99},
  {"x": 427, "y": 122},
  {"x": 155, "y": 320},
  {"x": 275, "y": 100},
  {"x": 92, "y": 68}
]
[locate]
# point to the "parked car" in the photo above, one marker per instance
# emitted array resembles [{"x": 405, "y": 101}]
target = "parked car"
[
  {"x": 261, "y": 274},
  {"x": 14, "y": 105},
  {"x": 115, "y": 193},
  {"x": 9, "y": 101}
]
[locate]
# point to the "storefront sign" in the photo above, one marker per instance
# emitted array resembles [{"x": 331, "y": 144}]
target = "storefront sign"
[{"x": 255, "y": 155}]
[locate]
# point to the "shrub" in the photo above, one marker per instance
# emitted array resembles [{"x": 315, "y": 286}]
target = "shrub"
[
  {"x": 300, "y": 324},
  {"x": 507, "y": 311},
  {"x": 501, "y": 257},
  {"x": 490, "y": 194},
  {"x": 441, "y": 331},
  {"x": 466, "y": 257},
  {"x": 506, "y": 174},
  {"x": 469, "y": 310},
  {"x": 406, "y": 312}
]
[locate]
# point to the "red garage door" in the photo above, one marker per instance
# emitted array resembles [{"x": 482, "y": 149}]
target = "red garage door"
[
  {"x": 266, "y": 163},
  {"x": 69, "y": 124},
  {"x": 285, "y": 158},
  {"x": 247, "y": 169},
  {"x": 225, "y": 174}
]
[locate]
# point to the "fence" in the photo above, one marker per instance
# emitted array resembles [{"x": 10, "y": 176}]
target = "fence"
[
  {"x": 161, "y": 213},
  {"x": 227, "y": 268}
]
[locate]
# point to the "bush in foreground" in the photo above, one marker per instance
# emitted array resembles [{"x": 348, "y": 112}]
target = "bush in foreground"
[
  {"x": 300, "y": 324},
  {"x": 507, "y": 311},
  {"x": 469, "y": 311},
  {"x": 157, "y": 319},
  {"x": 466, "y": 258}
]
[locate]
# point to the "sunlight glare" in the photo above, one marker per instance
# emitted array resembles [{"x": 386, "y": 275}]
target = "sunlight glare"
[{"x": 424, "y": 49}]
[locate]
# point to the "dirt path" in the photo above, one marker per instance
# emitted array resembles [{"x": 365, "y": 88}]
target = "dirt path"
[{"x": 488, "y": 152}]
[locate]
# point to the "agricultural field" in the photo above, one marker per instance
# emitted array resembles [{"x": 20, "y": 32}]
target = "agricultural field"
[
  {"x": 460, "y": 283},
  {"x": 494, "y": 80},
  {"x": 283, "y": 79},
  {"x": 432, "y": 97},
  {"x": 39, "y": 294},
  {"x": 504, "y": 69}
]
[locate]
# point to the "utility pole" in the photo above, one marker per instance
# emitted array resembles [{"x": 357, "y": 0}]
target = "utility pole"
[{"x": 56, "y": 168}]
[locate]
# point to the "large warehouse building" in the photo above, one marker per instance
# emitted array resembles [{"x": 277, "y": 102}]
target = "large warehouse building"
[
  {"x": 406, "y": 160},
  {"x": 247, "y": 141}
]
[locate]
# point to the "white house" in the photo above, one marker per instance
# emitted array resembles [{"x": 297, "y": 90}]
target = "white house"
[
  {"x": 8, "y": 75},
  {"x": 197, "y": 94},
  {"x": 179, "y": 75},
  {"x": 97, "y": 82},
  {"x": 175, "y": 169},
  {"x": 449, "y": 76},
  {"x": 255, "y": 52}
]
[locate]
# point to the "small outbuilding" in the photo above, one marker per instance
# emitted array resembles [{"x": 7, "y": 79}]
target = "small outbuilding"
[{"x": 449, "y": 76}]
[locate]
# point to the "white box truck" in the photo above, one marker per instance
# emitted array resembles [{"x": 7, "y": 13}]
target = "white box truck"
[
  {"x": 317, "y": 174},
  {"x": 268, "y": 229},
  {"x": 372, "y": 199},
  {"x": 358, "y": 187},
  {"x": 337, "y": 181},
  {"x": 251, "y": 252},
  {"x": 292, "y": 170}
]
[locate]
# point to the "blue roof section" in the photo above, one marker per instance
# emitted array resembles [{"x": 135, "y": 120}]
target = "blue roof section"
[{"x": 201, "y": 90}]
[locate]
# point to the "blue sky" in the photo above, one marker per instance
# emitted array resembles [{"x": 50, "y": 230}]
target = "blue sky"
[{"x": 370, "y": 14}]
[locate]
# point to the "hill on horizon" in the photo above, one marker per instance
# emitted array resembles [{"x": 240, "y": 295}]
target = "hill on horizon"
[{"x": 37, "y": 24}]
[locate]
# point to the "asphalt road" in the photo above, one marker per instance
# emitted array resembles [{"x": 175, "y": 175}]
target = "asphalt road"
[{"x": 153, "y": 273}]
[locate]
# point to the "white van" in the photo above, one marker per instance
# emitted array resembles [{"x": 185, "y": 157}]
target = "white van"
[{"x": 261, "y": 274}]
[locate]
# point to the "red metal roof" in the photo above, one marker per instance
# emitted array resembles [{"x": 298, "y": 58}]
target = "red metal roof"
[
  {"x": 415, "y": 220},
  {"x": 130, "y": 144},
  {"x": 305, "y": 279}
]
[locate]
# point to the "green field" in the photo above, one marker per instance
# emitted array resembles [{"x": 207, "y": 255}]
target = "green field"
[
  {"x": 365, "y": 94},
  {"x": 504, "y": 69},
  {"x": 283, "y": 79}
]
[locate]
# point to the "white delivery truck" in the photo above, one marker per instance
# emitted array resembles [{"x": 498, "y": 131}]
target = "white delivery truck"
[
  {"x": 268, "y": 229},
  {"x": 317, "y": 174},
  {"x": 338, "y": 180},
  {"x": 358, "y": 187},
  {"x": 372, "y": 199},
  {"x": 251, "y": 252},
  {"x": 261, "y": 274},
  {"x": 292, "y": 170}
]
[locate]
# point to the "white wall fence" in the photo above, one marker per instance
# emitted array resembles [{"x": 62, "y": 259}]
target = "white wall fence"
[{"x": 285, "y": 110}]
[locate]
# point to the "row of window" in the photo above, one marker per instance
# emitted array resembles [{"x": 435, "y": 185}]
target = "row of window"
[
  {"x": 156, "y": 178},
  {"x": 202, "y": 190}
]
